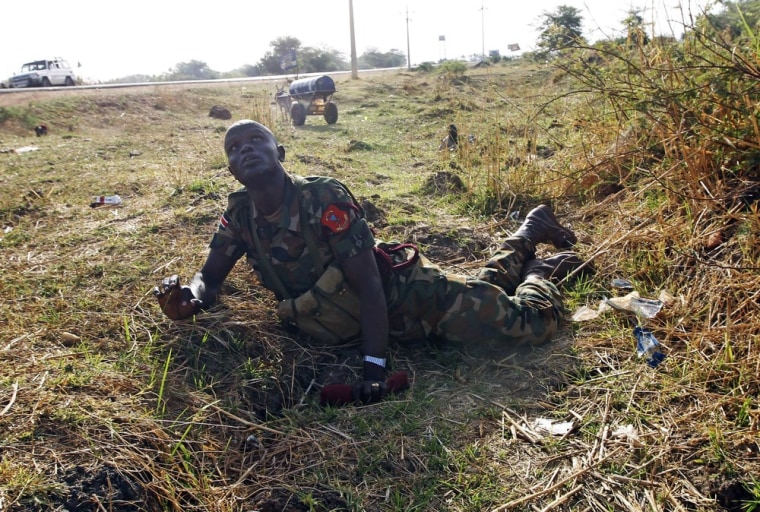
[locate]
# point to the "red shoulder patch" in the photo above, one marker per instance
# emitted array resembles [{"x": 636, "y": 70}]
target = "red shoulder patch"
[{"x": 336, "y": 219}]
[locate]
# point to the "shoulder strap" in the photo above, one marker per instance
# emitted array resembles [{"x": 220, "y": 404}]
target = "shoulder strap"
[{"x": 308, "y": 233}]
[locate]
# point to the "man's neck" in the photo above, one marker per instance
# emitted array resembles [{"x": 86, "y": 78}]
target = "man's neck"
[{"x": 269, "y": 198}]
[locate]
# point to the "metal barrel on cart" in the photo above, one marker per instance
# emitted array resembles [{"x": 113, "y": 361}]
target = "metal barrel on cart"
[{"x": 312, "y": 96}]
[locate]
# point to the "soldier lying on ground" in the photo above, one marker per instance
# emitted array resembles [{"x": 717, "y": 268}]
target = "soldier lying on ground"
[{"x": 308, "y": 242}]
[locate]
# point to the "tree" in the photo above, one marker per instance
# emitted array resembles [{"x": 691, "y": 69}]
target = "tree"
[
  {"x": 270, "y": 62},
  {"x": 315, "y": 60},
  {"x": 310, "y": 60},
  {"x": 560, "y": 29},
  {"x": 636, "y": 34},
  {"x": 735, "y": 19},
  {"x": 246, "y": 70},
  {"x": 249, "y": 70},
  {"x": 373, "y": 58},
  {"x": 134, "y": 79},
  {"x": 192, "y": 70}
]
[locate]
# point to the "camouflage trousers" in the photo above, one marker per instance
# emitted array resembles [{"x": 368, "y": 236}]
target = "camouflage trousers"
[{"x": 423, "y": 300}]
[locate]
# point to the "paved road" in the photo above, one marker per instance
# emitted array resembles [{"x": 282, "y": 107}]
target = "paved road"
[{"x": 11, "y": 97}]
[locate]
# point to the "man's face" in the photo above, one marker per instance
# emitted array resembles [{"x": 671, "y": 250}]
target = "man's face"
[{"x": 252, "y": 153}]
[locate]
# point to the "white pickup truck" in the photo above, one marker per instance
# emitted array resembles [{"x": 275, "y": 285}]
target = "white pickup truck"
[{"x": 43, "y": 73}]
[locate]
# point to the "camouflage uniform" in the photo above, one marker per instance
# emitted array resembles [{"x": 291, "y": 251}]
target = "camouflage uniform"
[
  {"x": 284, "y": 241},
  {"x": 422, "y": 299},
  {"x": 495, "y": 306}
]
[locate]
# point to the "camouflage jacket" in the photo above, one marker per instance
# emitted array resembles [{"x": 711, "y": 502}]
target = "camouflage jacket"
[{"x": 332, "y": 215}]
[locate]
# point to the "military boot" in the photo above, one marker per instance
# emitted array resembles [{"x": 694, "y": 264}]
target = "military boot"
[
  {"x": 542, "y": 226},
  {"x": 555, "y": 268}
]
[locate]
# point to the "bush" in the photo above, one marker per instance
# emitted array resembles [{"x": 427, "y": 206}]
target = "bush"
[{"x": 452, "y": 69}]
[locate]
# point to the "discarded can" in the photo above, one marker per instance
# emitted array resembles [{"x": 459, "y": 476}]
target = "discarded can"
[
  {"x": 105, "y": 201},
  {"x": 622, "y": 284},
  {"x": 648, "y": 347}
]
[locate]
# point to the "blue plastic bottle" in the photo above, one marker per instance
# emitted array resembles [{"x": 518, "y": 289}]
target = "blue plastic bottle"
[{"x": 648, "y": 347}]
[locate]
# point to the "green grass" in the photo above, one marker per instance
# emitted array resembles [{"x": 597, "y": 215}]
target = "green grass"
[{"x": 165, "y": 408}]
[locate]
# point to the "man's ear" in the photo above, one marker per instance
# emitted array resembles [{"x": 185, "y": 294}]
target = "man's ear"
[{"x": 281, "y": 152}]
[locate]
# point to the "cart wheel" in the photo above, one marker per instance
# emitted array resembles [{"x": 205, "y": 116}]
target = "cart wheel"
[
  {"x": 331, "y": 113},
  {"x": 298, "y": 114}
]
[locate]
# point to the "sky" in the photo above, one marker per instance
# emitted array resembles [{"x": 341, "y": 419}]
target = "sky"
[{"x": 108, "y": 40}]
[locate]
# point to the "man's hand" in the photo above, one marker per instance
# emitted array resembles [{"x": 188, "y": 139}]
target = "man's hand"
[
  {"x": 369, "y": 391},
  {"x": 343, "y": 394},
  {"x": 177, "y": 302}
]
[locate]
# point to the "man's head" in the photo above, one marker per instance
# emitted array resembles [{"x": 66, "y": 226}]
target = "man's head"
[
  {"x": 240, "y": 125},
  {"x": 252, "y": 151}
]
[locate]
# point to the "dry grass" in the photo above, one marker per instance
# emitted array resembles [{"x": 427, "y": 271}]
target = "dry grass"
[{"x": 106, "y": 405}]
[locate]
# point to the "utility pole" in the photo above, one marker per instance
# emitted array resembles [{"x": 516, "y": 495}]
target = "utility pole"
[
  {"x": 354, "y": 67},
  {"x": 408, "y": 51},
  {"x": 483, "y": 30}
]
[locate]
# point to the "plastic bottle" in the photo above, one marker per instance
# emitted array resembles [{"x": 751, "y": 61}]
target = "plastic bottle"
[
  {"x": 105, "y": 201},
  {"x": 647, "y": 308},
  {"x": 648, "y": 347}
]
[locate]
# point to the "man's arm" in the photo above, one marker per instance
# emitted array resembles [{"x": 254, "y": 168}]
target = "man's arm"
[
  {"x": 178, "y": 302},
  {"x": 363, "y": 276},
  {"x": 207, "y": 283}
]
